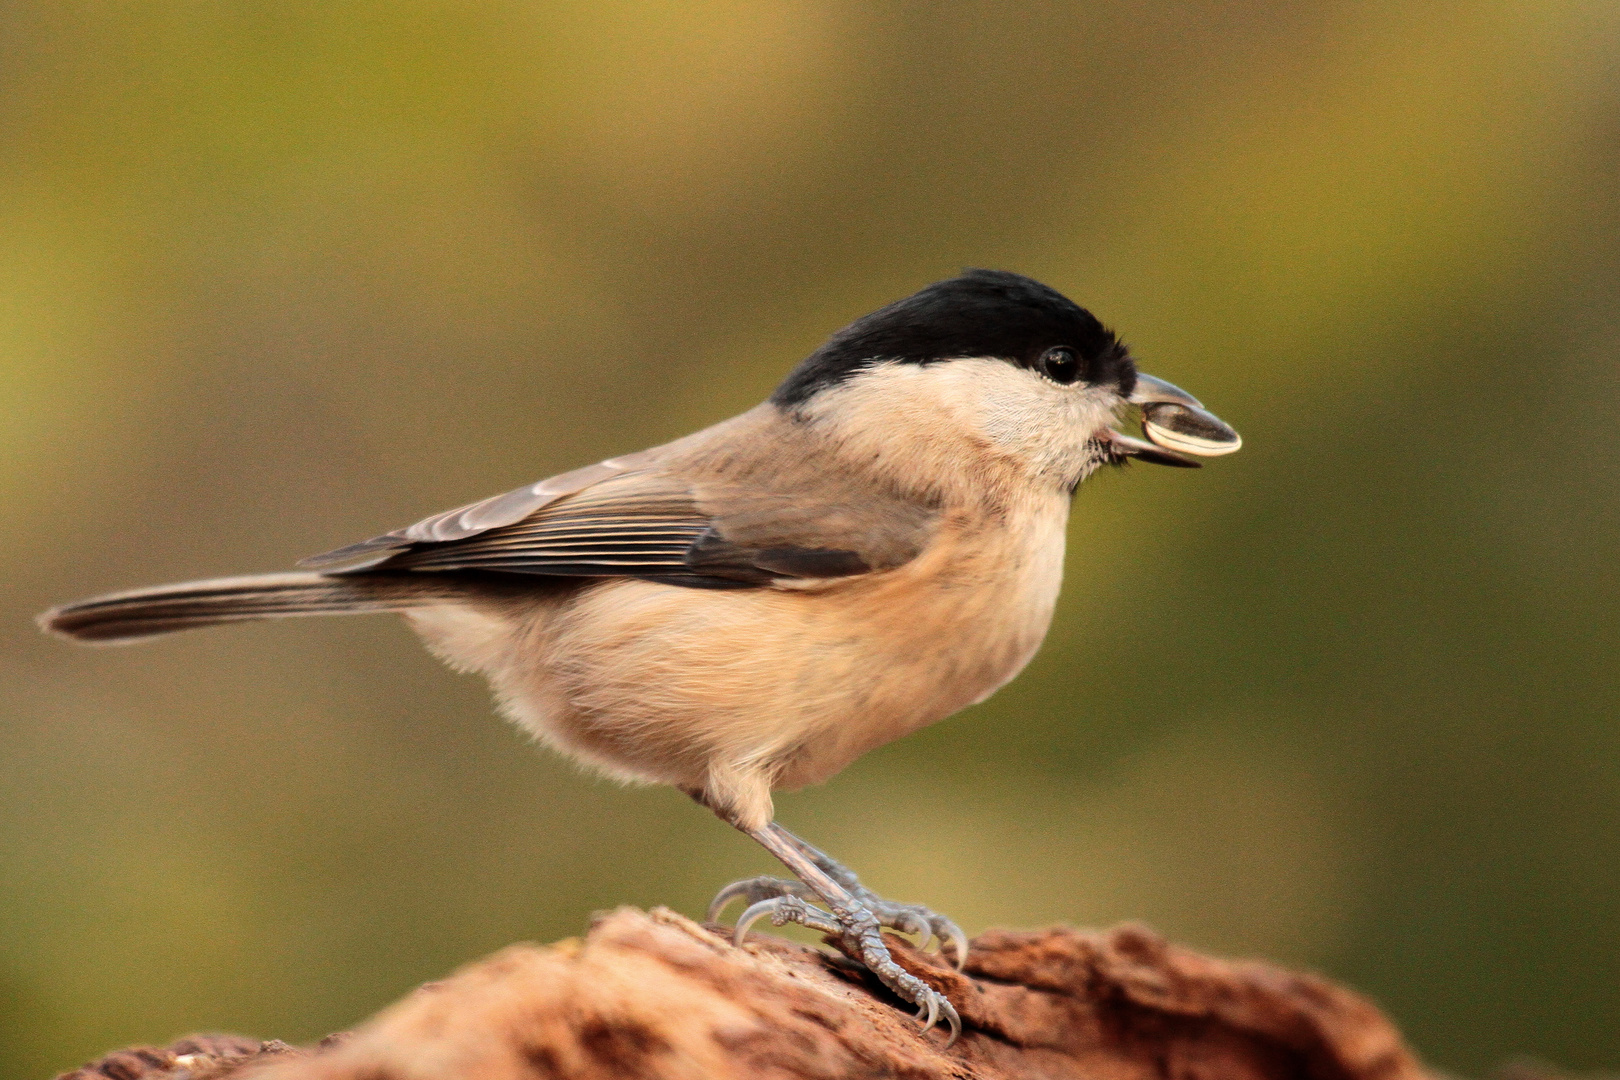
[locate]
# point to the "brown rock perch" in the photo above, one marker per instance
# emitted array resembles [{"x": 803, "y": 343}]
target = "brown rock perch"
[{"x": 655, "y": 995}]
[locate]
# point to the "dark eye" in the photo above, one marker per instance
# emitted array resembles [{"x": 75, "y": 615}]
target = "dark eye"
[{"x": 1060, "y": 365}]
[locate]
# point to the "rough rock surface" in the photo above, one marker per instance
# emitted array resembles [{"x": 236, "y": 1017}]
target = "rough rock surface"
[{"x": 656, "y": 995}]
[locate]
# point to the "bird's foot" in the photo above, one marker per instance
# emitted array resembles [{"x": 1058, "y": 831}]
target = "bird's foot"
[
  {"x": 858, "y": 924},
  {"x": 927, "y": 925}
]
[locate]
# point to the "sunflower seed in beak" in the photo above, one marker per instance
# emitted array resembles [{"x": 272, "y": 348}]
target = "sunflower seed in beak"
[{"x": 1188, "y": 429}]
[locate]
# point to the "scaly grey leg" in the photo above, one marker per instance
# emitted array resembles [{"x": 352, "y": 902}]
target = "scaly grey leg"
[
  {"x": 907, "y": 918},
  {"x": 850, "y": 916}
]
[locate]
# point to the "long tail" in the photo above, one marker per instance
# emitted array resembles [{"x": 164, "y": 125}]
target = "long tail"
[{"x": 141, "y": 613}]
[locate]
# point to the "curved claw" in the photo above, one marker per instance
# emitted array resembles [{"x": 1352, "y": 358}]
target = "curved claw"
[
  {"x": 929, "y": 928},
  {"x": 909, "y": 922},
  {"x": 953, "y": 1018},
  {"x": 754, "y": 913},
  {"x": 784, "y": 909},
  {"x": 755, "y": 889},
  {"x": 958, "y": 942},
  {"x": 749, "y": 888},
  {"x": 930, "y": 1005},
  {"x": 726, "y": 896}
]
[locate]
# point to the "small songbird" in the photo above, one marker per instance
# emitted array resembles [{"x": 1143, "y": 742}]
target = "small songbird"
[{"x": 753, "y": 607}]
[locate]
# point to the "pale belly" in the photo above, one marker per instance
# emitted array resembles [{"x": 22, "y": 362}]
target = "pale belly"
[{"x": 767, "y": 688}]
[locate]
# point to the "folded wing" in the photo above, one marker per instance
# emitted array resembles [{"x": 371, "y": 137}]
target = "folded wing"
[{"x": 619, "y": 521}]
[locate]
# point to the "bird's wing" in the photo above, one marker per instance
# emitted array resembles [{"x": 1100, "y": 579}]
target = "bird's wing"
[
  {"x": 620, "y": 521},
  {"x": 479, "y": 517}
]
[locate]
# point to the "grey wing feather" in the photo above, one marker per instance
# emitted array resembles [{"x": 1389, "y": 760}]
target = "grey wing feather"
[
  {"x": 481, "y": 516},
  {"x": 635, "y": 517},
  {"x": 634, "y": 524}
]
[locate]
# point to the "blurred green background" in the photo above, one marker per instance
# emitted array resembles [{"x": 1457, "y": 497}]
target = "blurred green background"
[{"x": 274, "y": 277}]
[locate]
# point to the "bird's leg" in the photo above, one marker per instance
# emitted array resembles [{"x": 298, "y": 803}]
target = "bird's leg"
[
  {"x": 907, "y": 918},
  {"x": 849, "y": 916}
]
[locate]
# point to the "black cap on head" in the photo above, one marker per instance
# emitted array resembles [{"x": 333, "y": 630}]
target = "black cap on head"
[{"x": 981, "y": 313}]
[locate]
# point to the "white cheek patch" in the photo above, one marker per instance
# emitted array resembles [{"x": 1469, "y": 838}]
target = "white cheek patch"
[
  {"x": 1020, "y": 412},
  {"x": 941, "y": 415}
]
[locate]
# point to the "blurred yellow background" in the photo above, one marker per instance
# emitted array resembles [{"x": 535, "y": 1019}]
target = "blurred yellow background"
[{"x": 275, "y": 277}]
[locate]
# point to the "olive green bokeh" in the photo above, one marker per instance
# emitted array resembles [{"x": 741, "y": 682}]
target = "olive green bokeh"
[{"x": 278, "y": 277}]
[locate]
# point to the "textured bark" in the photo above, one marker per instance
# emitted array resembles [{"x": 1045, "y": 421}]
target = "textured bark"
[{"x": 656, "y": 995}]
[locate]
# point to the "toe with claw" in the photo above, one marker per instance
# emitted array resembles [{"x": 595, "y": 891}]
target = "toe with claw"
[
  {"x": 925, "y": 924},
  {"x": 863, "y": 936},
  {"x": 782, "y": 910},
  {"x": 753, "y": 890}
]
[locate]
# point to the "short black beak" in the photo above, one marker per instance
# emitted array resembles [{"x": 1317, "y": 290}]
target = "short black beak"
[{"x": 1176, "y": 423}]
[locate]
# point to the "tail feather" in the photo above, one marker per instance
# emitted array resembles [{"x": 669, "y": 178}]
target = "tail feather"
[{"x": 140, "y": 613}]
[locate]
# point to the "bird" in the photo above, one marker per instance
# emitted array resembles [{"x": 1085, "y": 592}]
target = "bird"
[{"x": 752, "y": 607}]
